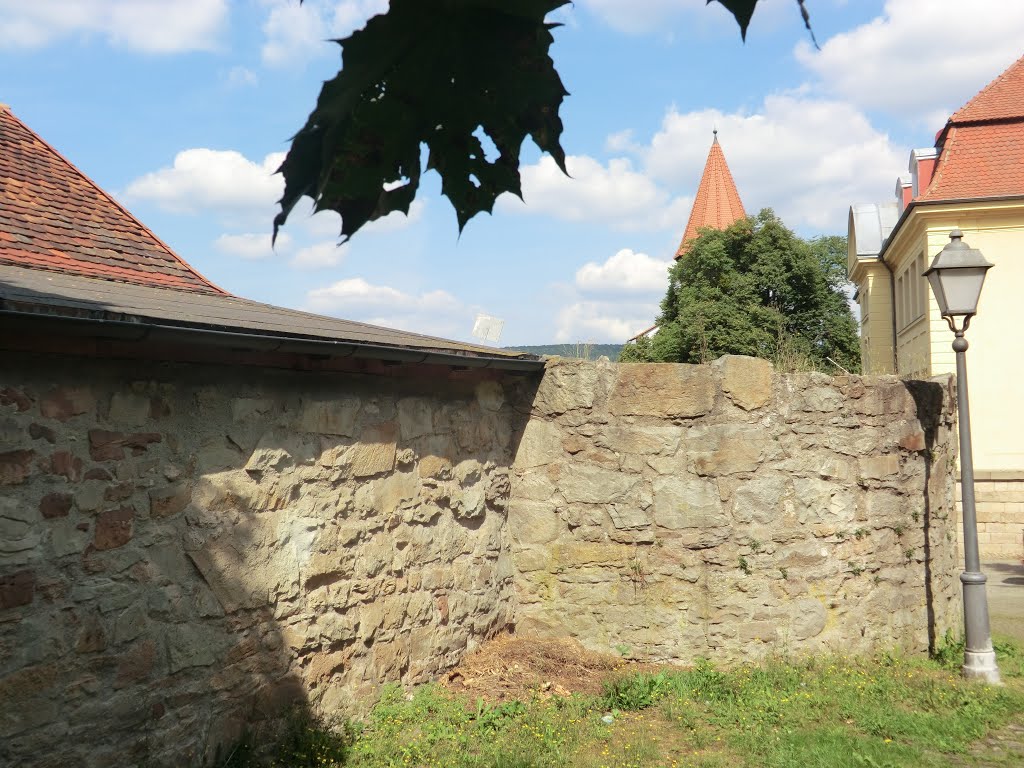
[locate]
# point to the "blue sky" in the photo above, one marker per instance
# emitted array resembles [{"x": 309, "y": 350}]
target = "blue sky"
[{"x": 182, "y": 110}]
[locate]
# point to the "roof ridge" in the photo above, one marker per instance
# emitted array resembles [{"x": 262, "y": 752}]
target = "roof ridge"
[
  {"x": 170, "y": 251},
  {"x": 1012, "y": 70}
]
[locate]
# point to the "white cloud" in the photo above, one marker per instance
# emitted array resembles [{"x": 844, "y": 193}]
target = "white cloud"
[
  {"x": 807, "y": 158},
  {"x": 319, "y": 255},
  {"x": 920, "y": 57},
  {"x": 252, "y": 245},
  {"x": 241, "y": 77},
  {"x": 149, "y": 26},
  {"x": 603, "y": 322},
  {"x": 432, "y": 313},
  {"x": 204, "y": 179},
  {"x": 626, "y": 272},
  {"x": 295, "y": 34},
  {"x": 614, "y": 194}
]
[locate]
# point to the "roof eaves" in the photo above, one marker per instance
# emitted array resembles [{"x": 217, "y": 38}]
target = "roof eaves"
[
  {"x": 914, "y": 204},
  {"x": 142, "y": 331}
]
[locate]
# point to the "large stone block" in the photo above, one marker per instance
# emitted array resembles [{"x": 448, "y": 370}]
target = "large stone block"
[
  {"x": 533, "y": 522},
  {"x": 567, "y": 386},
  {"x": 375, "y": 450},
  {"x": 415, "y": 417},
  {"x": 748, "y": 381},
  {"x": 724, "y": 449},
  {"x": 540, "y": 444},
  {"x": 335, "y": 416},
  {"x": 591, "y": 484},
  {"x": 764, "y": 499},
  {"x": 658, "y": 389},
  {"x": 688, "y": 502}
]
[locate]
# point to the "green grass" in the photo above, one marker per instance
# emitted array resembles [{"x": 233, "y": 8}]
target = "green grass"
[{"x": 837, "y": 712}]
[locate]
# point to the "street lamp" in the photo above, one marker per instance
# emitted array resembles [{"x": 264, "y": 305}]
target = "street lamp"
[{"x": 956, "y": 276}]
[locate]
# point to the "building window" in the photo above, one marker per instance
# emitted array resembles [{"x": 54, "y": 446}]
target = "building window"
[{"x": 911, "y": 293}]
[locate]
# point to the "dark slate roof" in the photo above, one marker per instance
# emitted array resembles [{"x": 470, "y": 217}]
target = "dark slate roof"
[{"x": 25, "y": 291}]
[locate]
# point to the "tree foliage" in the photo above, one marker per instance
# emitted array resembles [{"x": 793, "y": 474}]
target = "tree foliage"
[
  {"x": 756, "y": 289},
  {"x": 459, "y": 77}
]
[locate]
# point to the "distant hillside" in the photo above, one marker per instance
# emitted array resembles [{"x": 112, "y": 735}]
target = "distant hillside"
[{"x": 581, "y": 351}]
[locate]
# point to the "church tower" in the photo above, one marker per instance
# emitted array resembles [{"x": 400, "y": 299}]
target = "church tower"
[{"x": 717, "y": 204}]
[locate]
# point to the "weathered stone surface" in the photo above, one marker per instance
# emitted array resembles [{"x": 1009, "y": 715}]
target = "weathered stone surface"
[
  {"x": 329, "y": 417},
  {"x": 55, "y": 505},
  {"x": 688, "y": 502},
  {"x": 105, "y": 445},
  {"x": 879, "y": 467},
  {"x": 66, "y": 464},
  {"x": 566, "y": 386},
  {"x": 740, "y": 520},
  {"x": 724, "y": 449},
  {"x": 490, "y": 395},
  {"x": 380, "y": 531},
  {"x": 541, "y": 444},
  {"x": 764, "y": 499},
  {"x": 113, "y": 528},
  {"x": 683, "y": 391},
  {"x": 375, "y": 451},
  {"x": 746, "y": 380},
  {"x": 130, "y": 408},
  {"x": 17, "y": 589},
  {"x": 532, "y": 522},
  {"x": 15, "y": 466},
  {"x": 63, "y": 403},
  {"x": 591, "y": 484},
  {"x": 169, "y": 500},
  {"x": 415, "y": 417},
  {"x": 809, "y": 618}
]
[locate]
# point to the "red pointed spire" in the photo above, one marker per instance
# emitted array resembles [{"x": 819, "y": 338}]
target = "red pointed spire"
[{"x": 717, "y": 204}]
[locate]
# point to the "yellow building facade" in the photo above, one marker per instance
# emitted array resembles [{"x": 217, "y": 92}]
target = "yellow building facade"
[{"x": 973, "y": 180}]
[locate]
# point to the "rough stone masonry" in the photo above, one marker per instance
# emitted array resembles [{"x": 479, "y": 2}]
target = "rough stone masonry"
[
  {"x": 670, "y": 512},
  {"x": 188, "y": 549}
]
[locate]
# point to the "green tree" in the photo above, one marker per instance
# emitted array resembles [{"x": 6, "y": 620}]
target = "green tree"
[
  {"x": 756, "y": 289},
  {"x": 469, "y": 80}
]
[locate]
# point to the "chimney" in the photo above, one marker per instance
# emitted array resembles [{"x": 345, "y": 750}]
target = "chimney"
[
  {"x": 904, "y": 193},
  {"x": 922, "y": 165}
]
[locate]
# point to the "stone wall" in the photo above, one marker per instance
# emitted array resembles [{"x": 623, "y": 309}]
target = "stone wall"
[
  {"x": 999, "y": 503},
  {"x": 192, "y": 548},
  {"x": 188, "y": 548},
  {"x": 672, "y": 512}
]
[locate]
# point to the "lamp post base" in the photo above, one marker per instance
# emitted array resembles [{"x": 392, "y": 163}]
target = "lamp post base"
[{"x": 981, "y": 665}]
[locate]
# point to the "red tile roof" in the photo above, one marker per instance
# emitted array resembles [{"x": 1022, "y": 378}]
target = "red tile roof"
[
  {"x": 717, "y": 204},
  {"x": 1001, "y": 99},
  {"x": 982, "y": 146},
  {"x": 52, "y": 217}
]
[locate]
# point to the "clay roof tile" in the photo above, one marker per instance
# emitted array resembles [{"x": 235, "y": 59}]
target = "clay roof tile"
[
  {"x": 717, "y": 203},
  {"x": 53, "y": 217}
]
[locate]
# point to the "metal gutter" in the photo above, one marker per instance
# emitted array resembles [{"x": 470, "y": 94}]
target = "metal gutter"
[{"x": 138, "y": 331}]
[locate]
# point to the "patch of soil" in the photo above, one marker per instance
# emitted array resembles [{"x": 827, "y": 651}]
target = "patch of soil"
[{"x": 518, "y": 667}]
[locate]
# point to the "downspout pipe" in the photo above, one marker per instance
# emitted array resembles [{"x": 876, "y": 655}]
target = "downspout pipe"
[{"x": 892, "y": 295}]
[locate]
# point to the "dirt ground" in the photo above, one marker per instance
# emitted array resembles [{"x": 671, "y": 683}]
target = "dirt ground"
[{"x": 513, "y": 667}]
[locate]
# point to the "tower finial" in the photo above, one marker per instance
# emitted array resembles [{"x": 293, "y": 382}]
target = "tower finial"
[{"x": 714, "y": 132}]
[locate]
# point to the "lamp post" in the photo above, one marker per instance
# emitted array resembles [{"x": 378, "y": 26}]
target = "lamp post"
[{"x": 956, "y": 276}]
